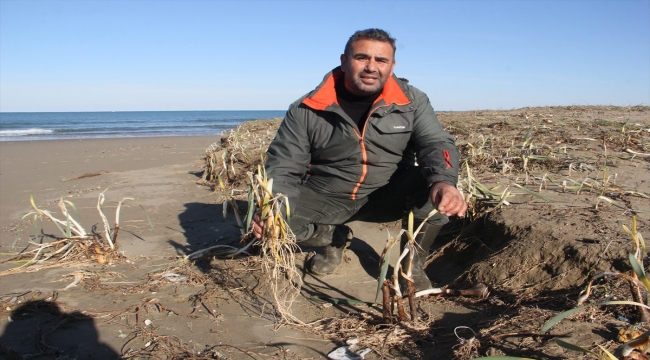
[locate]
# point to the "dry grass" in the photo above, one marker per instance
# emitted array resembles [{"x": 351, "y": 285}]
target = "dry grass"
[
  {"x": 532, "y": 151},
  {"x": 240, "y": 151}
]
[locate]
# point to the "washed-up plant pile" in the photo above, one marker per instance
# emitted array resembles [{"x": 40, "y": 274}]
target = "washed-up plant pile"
[
  {"x": 238, "y": 152},
  {"x": 74, "y": 245}
]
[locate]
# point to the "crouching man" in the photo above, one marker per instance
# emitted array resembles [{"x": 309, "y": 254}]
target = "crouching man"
[{"x": 356, "y": 139}]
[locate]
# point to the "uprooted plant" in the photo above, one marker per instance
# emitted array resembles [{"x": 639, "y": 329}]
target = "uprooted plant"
[
  {"x": 76, "y": 244},
  {"x": 277, "y": 245},
  {"x": 390, "y": 289},
  {"x": 392, "y": 294}
]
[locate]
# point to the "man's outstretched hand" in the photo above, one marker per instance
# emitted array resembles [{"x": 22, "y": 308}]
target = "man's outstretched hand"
[
  {"x": 447, "y": 199},
  {"x": 257, "y": 226}
]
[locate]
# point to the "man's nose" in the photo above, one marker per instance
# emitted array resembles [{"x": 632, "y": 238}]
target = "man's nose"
[{"x": 371, "y": 66}]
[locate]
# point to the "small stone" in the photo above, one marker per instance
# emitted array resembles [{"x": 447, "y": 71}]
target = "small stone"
[{"x": 352, "y": 341}]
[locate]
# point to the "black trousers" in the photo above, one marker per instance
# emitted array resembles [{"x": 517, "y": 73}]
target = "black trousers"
[{"x": 406, "y": 191}]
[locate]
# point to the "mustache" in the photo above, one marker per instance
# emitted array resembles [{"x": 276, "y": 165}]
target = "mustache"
[{"x": 372, "y": 74}]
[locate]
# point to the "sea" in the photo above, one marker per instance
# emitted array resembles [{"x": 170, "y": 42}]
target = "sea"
[{"x": 26, "y": 126}]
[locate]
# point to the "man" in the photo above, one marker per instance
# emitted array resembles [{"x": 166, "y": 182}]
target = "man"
[{"x": 356, "y": 138}]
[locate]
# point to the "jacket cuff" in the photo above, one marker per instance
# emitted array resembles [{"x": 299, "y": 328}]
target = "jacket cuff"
[{"x": 432, "y": 179}]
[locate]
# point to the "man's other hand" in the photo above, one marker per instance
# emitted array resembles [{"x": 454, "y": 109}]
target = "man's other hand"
[
  {"x": 447, "y": 199},
  {"x": 257, "y": 226}
]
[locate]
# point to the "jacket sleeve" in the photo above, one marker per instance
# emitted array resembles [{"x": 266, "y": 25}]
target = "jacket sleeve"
[
  {"x": 435, "y": 148},
  {"x": 289, "y": 154}
]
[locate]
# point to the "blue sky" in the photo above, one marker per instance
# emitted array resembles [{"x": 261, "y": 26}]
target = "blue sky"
[{"x": 250, "y": 55}]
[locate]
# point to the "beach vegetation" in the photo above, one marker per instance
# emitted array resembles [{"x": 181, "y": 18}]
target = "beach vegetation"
[
  {"x": 636, "y": 343},
  {"x": 74, "y": 244},
  {"x": 531, "y": 158}
]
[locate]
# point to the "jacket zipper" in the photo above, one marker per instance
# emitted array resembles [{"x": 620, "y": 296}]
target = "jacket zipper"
[{"x": 364, "y": 154}]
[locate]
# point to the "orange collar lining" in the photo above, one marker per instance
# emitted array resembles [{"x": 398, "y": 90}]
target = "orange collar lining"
[{"x": 326, "y": 95}]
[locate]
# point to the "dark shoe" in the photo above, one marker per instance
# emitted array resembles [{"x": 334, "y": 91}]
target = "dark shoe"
[
  {"x": 322, "y": 236},
  {"x": 424, "y": 239},
  {"x": 329, "y": 257}
]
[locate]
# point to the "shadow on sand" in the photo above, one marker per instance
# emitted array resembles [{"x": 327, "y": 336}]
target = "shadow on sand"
[{"x": 40, "y": 329}]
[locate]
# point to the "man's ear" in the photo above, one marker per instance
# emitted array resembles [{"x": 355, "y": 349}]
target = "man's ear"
[{"x": 344, "y": 61}]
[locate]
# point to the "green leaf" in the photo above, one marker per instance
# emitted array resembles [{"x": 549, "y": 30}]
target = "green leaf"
[
  {"x": 610, "y": 356},
  {"x": 31, "y": 200},
  {"x": 623, "y": 302},
  {"x": 573, "y": 347},
  {"x": 72, "y": 206},
  {"x": 557, "y": 318},
  {"x": 527, "y": 138},
  {"x": 146, "y": 215},
  {"x": 251, "y": 207},
  {"x": 504, "y": 198},
  {"x": 536, "y": 194},
  {"x": 16, "y": 240},
  {"x": 638, "y": 269},
  {"x": 383, "y": 272},
  {"x": 60, "y": 228},
  {"x": 554, "y": 182},
  {"x": 484, "y": 189},
  {"x": 612, "y": 202}
]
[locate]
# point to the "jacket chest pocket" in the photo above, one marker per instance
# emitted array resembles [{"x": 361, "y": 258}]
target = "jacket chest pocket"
[{"x": 391, "y": 134}]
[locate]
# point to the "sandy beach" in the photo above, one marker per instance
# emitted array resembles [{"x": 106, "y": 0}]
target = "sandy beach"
[
  {"x": 535, "y": 253},
  {"x": 161, "y": 174},
  {"x": 45, "y": 168}
]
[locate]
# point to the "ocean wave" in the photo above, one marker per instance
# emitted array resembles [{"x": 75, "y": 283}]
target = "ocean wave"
[
  {"x": 92, "y": 125},
  {"x": 24, "y": 132}
]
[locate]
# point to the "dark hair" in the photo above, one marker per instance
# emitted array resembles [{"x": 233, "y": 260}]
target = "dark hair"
[{"x": 369, "y": 34}]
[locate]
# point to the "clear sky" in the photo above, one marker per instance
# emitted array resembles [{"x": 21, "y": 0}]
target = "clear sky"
[{"x": 253, "y": 55}]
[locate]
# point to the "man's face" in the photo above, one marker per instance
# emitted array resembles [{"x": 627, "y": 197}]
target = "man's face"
[{"x": 368, "y": 67}]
